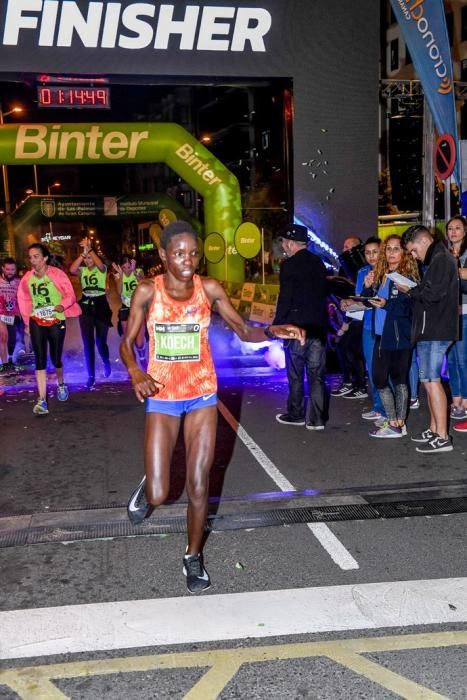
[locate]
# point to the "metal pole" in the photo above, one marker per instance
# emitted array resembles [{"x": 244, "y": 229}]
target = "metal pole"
[
  {"x": 262, "y": 253},
  {"x": 8, "y": 220},
  {"x": 36, "y": 179},
  {"x": 50, "y": 223},
  {"x": 428, "y": 213},
  {"x": 447, "y": 199}
]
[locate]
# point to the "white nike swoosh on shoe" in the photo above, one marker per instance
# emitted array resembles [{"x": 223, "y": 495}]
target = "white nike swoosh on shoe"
[
  {"x": 131, "y": 504},
  {"x": 204, "y": 577}
]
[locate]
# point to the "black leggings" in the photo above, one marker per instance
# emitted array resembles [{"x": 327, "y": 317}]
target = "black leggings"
[
  {"x": 393, "y": 364},
  {"x": 54, "y": 336},
  {"x": 91, "y": 325},
  {"x": 351, "y": 348}
]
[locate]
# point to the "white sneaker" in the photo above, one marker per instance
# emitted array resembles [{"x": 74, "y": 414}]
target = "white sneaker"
[{"x": 372, "y": 415}]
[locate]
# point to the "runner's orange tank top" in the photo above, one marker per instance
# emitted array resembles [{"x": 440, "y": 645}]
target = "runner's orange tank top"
[{"x": 179, "y": 352}]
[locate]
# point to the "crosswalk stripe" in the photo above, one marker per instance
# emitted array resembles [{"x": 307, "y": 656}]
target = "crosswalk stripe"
[
  {"x": 168, "y": 621},
  {"x": 328, "y": 540}
]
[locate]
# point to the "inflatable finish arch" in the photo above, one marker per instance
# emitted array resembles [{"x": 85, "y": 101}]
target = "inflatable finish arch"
[{"x": 52, "y": 144}]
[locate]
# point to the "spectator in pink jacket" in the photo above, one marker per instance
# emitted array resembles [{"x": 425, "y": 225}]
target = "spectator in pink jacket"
[{"x": 46, "y": 298}]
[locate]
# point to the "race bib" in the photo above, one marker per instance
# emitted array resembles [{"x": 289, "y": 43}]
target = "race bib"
[
  {"x": 45, "y": 313},
  {"x": 177, "y": 342},
  {"x": 9, "y": 320}
]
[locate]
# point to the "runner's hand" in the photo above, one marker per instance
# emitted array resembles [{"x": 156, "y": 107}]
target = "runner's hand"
[
  {"x": 85, "y": 245},
  {"x": 116, "y": 269},
  {"x": 289, "y": 332},
  {"x": 144, "y": 385}
]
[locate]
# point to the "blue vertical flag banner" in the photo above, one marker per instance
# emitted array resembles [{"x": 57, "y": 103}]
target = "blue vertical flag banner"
[{"x": 423, "y": 24}]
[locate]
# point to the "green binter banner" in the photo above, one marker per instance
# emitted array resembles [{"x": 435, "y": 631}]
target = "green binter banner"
[{"x": 51, "y": 144}]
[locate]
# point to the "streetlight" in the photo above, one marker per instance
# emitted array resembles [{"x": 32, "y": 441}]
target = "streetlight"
[
  {"x": 49, "y": 189},
  {"x": 6, "y": 187},
  {"x": 54, "y": 184}
]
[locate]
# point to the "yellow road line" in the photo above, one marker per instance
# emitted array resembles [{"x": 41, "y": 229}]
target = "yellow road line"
[
  {"x": 34, "y": 682},
  {"x": 211, "y": 685},
  {"x": 385, "y": 678},
  {"x": 29, "y": 686}
]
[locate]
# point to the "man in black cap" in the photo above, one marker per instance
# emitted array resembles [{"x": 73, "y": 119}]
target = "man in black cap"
[{"x": 302, "y": 301}]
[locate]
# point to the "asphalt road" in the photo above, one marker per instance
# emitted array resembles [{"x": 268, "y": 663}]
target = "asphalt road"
[{"x": 338, "y": 562}]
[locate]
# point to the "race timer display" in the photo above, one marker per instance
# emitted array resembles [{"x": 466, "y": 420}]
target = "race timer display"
[{"x": 77, "y": 97}]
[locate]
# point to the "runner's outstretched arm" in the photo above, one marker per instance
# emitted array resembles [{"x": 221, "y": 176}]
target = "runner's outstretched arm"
[{"x": 251, "y": 334}]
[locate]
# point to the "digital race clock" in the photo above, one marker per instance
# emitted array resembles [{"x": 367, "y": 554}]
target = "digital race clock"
[{"x": 77, "y": 97}]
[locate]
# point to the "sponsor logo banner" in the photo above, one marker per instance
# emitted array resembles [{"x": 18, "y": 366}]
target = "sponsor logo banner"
[{"x": 423, "y": 24}]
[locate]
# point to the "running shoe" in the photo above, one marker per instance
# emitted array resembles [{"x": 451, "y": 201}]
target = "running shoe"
[
  {"x": 424, "y": 436},
  {"x": 458, "y": 412},
  {"x": 437, "y": 444},
  {"x": 389, "y": 431},
  {"x": 461, "y": 427},
  {"x": 107, "y": 369},
  {"x": 138, "y": 508},
  {"x": 311, "y": 426},
  {"x": 40, "y": 408},
  {"x": 356, "y": 394},
  {"x": 286, "y": 419},
  {"x": 90, "y": 383},
  {"x": 342, "y": 390},
  {"x": 62, "y": 392},
  {"x": 372, "y": 415},
  {"x": 197, "y": 578},
  {"x": 414, "y": 404}
]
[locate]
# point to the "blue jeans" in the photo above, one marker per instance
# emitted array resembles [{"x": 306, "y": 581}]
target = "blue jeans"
[
  {"x": 368, "y": 343},
  {"x": 430, "y": 359},
  {"x": 414, "y": 376},
  {"x": 310, "y": 359},
  {"x": 457, "y": 362}
]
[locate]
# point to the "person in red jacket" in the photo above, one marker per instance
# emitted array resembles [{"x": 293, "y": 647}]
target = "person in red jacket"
[{"x": 45, "y": 299}]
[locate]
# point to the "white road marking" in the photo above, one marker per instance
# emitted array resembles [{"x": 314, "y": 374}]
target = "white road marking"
[
  {"x": 334, "y": 547},
  {"x": 167, "y": 621}
]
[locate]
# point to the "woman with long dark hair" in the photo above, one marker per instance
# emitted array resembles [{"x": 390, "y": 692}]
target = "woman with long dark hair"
[
  {"x": 456, "y": 234},
  {"x": 45, "y": 299}
]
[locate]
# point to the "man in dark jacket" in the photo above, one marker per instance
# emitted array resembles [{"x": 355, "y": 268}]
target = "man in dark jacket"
[
  {"x": 302, "y": 301},
  {"x": 435, "y": 320}
]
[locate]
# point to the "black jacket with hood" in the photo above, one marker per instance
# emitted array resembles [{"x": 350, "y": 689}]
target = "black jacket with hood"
[{"x": 435, "y": 314}]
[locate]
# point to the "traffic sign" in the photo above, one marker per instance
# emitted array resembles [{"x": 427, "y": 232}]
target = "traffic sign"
[{"x": 445, "y": 156}]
